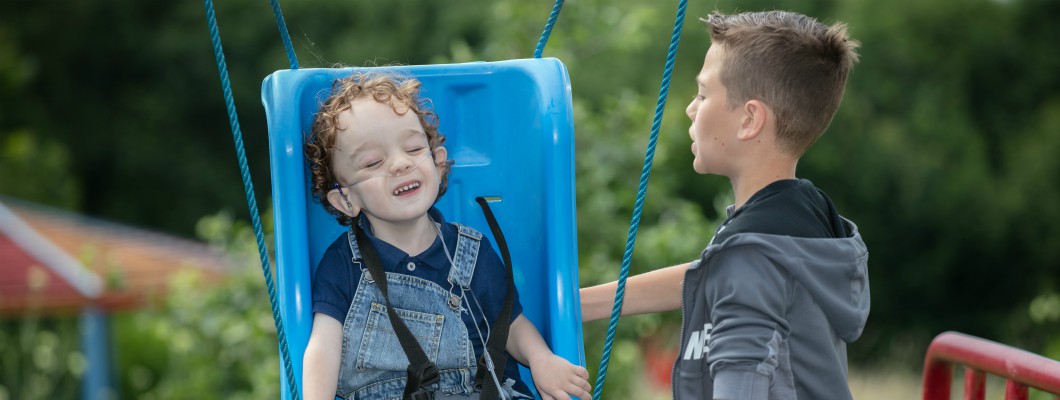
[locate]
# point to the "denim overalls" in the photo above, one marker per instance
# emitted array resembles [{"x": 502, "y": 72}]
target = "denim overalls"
[{"x": 373, "y": 362}]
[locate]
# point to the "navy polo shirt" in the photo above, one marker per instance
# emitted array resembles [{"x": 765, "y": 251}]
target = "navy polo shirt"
[{"x": 336, "y": 279}]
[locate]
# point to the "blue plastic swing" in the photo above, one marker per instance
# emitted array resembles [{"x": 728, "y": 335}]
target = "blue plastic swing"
[
  {"x": 509, "y": 128},
  {"x": 528, "y": 130}
]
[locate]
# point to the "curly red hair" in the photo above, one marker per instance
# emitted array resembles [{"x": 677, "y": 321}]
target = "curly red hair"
[{"x": 401, "y": 92}]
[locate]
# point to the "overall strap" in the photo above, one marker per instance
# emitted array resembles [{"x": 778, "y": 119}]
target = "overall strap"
[
  {"x": 354, "y": 246},
  {"x": 355, "y": 257},
  {"x": 467, "y": 245},
  {"x": 499, "y": 336},
  {"x": 422, "y": 372}
]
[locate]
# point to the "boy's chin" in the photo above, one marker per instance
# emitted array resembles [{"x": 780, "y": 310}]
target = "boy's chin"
[
  {"x": 400, "y": 218},
  {"x": 699, "y": 168}
]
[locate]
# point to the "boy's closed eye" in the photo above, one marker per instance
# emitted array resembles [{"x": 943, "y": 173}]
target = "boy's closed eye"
[
  {"x": 372, "y": 164},
  {"x": 368, "y": 160}
]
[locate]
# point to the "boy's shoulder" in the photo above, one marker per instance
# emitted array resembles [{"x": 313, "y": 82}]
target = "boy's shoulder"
[
  {"x": 793, "y": 207},
  {"x": 466, "y": 230},
  {"x": 340, "y": 246},
  {"x": 453, "y": 227}
]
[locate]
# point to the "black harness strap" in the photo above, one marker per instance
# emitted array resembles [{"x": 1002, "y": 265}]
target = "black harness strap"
[
  {"x": 422, "y": 372},
  {"x": 496, "y": 347}
]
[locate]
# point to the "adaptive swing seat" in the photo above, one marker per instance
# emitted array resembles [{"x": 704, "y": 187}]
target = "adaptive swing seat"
[{"x": 509, "y": 129}]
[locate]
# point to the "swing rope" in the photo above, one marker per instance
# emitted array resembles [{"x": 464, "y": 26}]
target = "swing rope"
[
  {"x": 548, "y": 29},
  {"x": 282, "y": 26},
  {"x": 642, "y": 190},
  {"x": 248, "y": 185}
]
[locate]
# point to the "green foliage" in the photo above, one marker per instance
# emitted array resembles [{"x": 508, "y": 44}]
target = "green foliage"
[
  {"x": 208, "y": 340},
  {"x": 944, "y": 153},
  {"x": 41, "y": 358},
  {"x": 130, "y": 91},
  {"x": 42, "y": 168}
]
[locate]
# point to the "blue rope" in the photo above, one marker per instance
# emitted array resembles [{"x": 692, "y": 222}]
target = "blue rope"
[
  {"x": 641, "y": 193},
  {"x": 548, "y": 29},
  {"x": 287, "y": 46},
  {"x": 248, "y": 185}
]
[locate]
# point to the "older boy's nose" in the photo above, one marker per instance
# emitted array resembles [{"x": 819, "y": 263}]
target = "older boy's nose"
[{"x": 690, "y": 111}]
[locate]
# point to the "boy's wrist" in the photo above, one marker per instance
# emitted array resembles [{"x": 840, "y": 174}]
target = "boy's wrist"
[{"x": 537, "y": 358}]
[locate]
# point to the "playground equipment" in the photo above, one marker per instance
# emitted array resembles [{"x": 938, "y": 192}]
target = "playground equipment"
[
  {"x": 509, "y": 129},
  {"x": 531, "y": 169},
  {"x": 1020, "y": 369}
]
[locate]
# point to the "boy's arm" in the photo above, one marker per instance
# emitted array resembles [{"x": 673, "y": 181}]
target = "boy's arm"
[
  {"x": 320, "y": 366},
  {"x": 653, "y": 291},
  {"x": 554, "y": 376},
  {"x": 748, "y": 296}
]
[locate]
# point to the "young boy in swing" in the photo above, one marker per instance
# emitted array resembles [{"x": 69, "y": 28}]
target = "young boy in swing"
[
  {"x": 782, "y": 286},
  {"x": 378, "y": 164}
]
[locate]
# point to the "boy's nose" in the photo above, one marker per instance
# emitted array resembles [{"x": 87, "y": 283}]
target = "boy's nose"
[{"x": 401, "y": 167}]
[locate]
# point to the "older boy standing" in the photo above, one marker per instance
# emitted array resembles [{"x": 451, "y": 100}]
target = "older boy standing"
[{"x": 783, "y": 284}]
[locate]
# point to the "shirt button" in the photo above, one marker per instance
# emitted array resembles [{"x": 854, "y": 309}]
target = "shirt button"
[{"x": 411, "y": 266}]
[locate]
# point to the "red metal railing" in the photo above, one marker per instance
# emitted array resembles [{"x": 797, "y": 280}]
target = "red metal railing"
[{"x": 1020, "y": 369}]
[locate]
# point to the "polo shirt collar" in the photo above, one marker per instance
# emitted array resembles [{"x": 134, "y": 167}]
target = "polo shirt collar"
[{"x": 394, "y": 259}]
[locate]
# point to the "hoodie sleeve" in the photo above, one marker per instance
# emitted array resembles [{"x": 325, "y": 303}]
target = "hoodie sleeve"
[{"x": 748, "y": 298}]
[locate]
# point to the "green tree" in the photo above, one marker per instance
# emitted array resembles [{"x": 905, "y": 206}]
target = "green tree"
[
  {"x": 207, "y": 340},
  {"x": 41, "y": 358},
  {"x": 940, "y": 151}
]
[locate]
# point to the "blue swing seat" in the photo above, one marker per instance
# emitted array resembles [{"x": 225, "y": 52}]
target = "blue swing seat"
[{"x": 509, "y": 128}]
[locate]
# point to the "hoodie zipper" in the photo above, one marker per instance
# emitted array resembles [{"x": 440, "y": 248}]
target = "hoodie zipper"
[
  {"x": 684, "y": 285},
  {"x": 681, "y": 348}
]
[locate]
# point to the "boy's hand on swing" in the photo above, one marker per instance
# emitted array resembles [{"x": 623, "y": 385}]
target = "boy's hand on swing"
[{"x": 556, "y": 378}]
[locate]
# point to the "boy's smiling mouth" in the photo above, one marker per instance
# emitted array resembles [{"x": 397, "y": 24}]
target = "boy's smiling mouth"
[{"x": 407, "y": 187}]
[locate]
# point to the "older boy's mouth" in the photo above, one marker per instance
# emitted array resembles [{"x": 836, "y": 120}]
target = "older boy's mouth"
[{"x": 406, "y": 188}]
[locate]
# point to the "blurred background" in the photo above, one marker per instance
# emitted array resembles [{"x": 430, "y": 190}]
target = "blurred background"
[{"x": 113, "y": 126}]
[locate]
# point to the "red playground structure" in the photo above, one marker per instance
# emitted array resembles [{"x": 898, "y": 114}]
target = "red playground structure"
[{"x": 1020, "y": 369}]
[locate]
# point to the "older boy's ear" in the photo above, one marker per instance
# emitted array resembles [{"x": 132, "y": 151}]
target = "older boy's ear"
[
  {"x": 342, "y": 203},
  {"x": 756, "y": 116}
]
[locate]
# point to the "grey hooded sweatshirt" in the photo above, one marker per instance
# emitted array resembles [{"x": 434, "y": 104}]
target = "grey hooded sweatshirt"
[{"x": 771, "y": 304}]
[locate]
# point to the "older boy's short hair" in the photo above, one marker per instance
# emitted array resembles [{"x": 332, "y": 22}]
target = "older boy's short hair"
[
  {"x": 403, "y": 95},
  {"x": 789, "y": 61}
]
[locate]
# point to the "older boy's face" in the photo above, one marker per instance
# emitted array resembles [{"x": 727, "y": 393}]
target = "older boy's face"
[
  {"x": 385, "y": 163},
  {"x": 714, "y": 122}
]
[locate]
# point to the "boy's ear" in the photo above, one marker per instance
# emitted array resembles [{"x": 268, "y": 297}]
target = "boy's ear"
[
  {"x": 440, "y": 154},
  {"x": 756, "y": 116},
  {"x": 343, "y": 204}
]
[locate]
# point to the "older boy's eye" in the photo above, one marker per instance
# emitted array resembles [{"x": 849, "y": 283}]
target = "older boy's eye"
[
  {"x": 372, "y": 164},
  {"x": 417, "y": 149}
]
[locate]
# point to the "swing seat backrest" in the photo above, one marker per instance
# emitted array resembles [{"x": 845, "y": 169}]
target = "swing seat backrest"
[{"x": 509, "y": 129}]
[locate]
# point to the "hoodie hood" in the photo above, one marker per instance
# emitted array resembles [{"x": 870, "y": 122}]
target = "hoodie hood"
[{"x": 833, "y": 270}]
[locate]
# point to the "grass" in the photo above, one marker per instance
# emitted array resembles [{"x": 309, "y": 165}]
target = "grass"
[
  {"x": 868, "y": 384},
  {"x": 881, "y": 384},
  {"x": 884, "y": 384}
]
